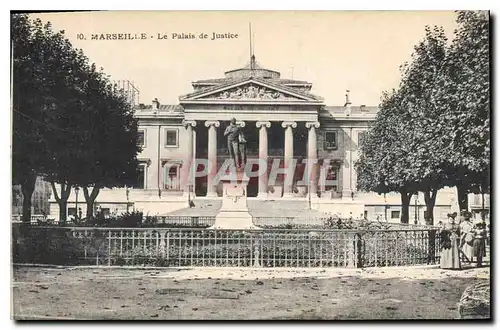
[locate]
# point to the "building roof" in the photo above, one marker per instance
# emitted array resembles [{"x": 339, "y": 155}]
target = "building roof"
[
  {"x": 357, "y": 112},
  {"x": 283, "y": 87},
  {"x": 333, "y": 109},
  {"x": 252, "y": 69},
  {"x": 219, "y": 81},
  {"x": 361, "y": 109},
  {"x": 162, "y": 108},
  {"x": 255, "y": 67},
  {"x": 326, "y": 112}
]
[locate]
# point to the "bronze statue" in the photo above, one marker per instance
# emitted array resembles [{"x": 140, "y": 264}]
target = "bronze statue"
[{"x": 232, "y": 132}]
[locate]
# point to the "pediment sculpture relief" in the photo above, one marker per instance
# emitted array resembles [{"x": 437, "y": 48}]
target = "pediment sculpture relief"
[{"x": 252, "y": 92}]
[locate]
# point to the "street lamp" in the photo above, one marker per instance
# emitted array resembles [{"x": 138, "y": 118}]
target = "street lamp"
[
  {"x": 416, "y": 211},
  {"x": 77, "y": 190},
  {"x": 127, "y": 193}
]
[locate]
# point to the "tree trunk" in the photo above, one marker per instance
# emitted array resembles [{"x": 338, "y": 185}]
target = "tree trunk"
[
  {"x": 405, "y": 207},
  {"x": 463, "y": 201},
  {"x": 90, "y": 200},
  {"x": 430, "y": 202},
  {"x": 62, "y": 201},
  {"x": 483, "y": 211},
  {"x": 27, "y": 188},
  {"x": 63, "y": 208}
]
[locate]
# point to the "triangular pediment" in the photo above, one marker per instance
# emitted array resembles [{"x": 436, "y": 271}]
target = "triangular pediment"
[{"x": 250, "y": 90}]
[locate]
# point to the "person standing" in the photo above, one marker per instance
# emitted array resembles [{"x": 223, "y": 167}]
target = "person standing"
[
  {"x": 232, "y": 132},
  {"x": 449, "y": 234},
  {"x": 479, "y": 244},
  {"x": 466, "y": 236}
]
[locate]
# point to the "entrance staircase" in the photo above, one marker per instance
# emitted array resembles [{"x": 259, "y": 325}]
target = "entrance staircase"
[{"x": 263, "y": 211}]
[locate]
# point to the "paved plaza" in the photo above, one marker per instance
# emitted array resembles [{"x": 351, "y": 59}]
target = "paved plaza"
[{"x": 220, "y": 293}]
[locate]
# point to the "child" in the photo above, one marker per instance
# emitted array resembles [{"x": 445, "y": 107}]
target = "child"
[{"x": 479, "y": 244}]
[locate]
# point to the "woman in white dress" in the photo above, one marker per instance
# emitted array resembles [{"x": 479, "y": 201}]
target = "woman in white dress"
[{"x": 466, "y": 237}]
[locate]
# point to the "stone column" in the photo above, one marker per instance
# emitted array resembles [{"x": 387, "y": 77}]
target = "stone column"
[
  {"x": 312, "y": 155},
  {"x": 188, "y": 161},
  {"x": 212, "y": 156},
  {"x": 288, "y": 157},
  {"x": 263, "y": 156}
]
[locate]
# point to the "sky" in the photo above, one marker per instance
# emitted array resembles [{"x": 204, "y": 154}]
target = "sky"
[{"x": 334, "y": 50}]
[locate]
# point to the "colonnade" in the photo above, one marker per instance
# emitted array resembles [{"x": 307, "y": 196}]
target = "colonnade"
[{"x": 263, "y": 127}]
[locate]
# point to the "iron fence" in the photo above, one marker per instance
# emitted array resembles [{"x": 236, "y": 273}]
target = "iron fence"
[
  {"x": 148, "y": 222},
  {"x": 224, "y": 248},
  {"x": 328, "y": 222},
  {"x": 297, "y": 222},
  {"x": 184, "y": 221}
]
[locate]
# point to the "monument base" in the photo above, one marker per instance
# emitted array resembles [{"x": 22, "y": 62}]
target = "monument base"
[
  {"x": 236, "y": 220},
  {"x": 233, "y": 213}
]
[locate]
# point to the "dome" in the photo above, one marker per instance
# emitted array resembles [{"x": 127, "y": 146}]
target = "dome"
[{"x": 252, "y": 69}]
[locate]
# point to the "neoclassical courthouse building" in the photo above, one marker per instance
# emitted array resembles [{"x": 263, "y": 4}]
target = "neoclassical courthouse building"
[{"x": 281, "y": 120}]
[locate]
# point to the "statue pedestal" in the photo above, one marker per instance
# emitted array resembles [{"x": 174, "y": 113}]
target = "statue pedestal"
[{"x": 233, "y": 213}]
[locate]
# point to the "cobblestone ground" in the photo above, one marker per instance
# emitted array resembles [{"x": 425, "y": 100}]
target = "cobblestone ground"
[{"x": 224, "y": 293}]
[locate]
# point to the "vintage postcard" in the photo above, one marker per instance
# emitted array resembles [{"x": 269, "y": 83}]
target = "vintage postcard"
[{"x": 274, "y": 165}]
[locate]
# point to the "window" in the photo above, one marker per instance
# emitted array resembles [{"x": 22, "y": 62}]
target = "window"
[
  {"x": 172, "y": 177},
  {"x": 366, "y": 214},
  {"x": 330, "y": 142},
  {"x": 141, "y": 176},
  {"x": 171, "y": 137},
  {"x": 395, "y": 214},
  {"x": 71, "y": 211},
  {"x": 141, "y": 138},
  {"x": 332, "y": 174}
]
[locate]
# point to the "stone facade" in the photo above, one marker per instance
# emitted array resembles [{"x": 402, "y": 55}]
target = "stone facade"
[{"x": 282, "y": 121}]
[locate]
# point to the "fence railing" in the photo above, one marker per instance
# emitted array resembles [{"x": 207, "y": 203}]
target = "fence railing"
[
  {"x": 193, "y": 221},
  {"x": 326, "y": 222},
  {"x": 200, "y": 247},
  {"x": 264, "y": 222},
  {"x": 289, "y": 221}
]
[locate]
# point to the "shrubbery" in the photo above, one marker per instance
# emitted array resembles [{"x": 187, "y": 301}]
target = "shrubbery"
[{"x": 136, "y": 219}]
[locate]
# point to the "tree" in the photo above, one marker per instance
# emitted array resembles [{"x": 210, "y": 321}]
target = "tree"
[
  {"x": 98, "y": 148},
  {"x": 383, "y": 164},
  {"x": 418, "y": 88},
  {"x": 399, "y": 153},
  {"x": 70, "y": 124},
  {"x": 63, "y": 69},
  {"x": 108, "y": 152},
  {"x": 463, "y": 103},
  {"x": 30, "y": 102}
]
